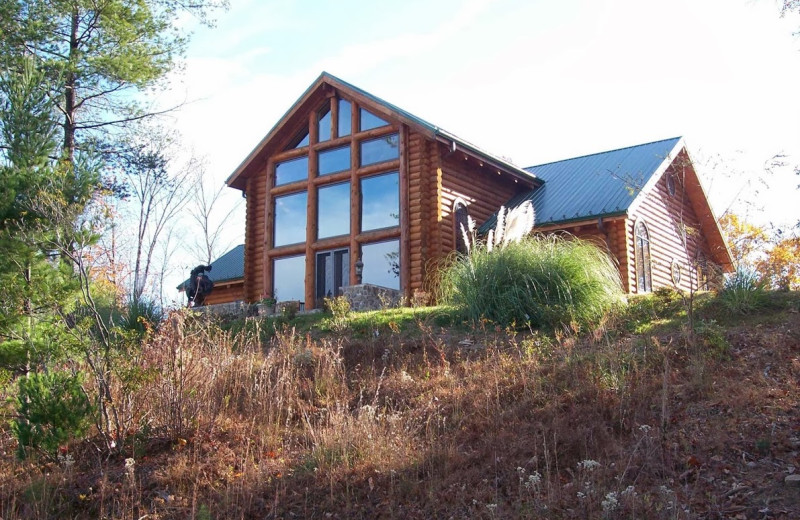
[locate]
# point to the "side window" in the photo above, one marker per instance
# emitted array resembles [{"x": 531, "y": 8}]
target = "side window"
[
  {"x": 461, "y": 225},
  {"x": 644, "y": 279}
]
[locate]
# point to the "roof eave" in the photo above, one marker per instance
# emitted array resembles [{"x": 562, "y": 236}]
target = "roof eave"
[
  {"x": 456, "y": 143},
  {"x": 235, "y": 179},
  {"x": 544, "y": 226}
]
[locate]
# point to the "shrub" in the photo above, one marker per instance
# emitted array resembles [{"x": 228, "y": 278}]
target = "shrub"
[
  {"x": 743, "y": 292},
  {"x": 51, "y": 410},
  {"x": 542, "y": 281},
  {"x": 141, "y": 316},
  {"x": 339, "y": 308}
]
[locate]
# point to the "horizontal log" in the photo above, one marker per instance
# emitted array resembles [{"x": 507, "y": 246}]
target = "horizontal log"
[
  {"x": 379, "y": 167},
  {"x": 378, "y": 235}
]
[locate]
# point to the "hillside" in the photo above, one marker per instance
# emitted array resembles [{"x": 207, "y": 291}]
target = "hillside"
[{"x": 410, "y": 414}]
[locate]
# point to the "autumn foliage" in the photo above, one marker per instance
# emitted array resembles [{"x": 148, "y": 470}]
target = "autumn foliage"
[{"x": 774, "y": 256}]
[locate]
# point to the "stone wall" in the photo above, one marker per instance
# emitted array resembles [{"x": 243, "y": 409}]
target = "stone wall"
[
  {"x": 237, "y": 308},
  {"x": 367, "y": 297}
]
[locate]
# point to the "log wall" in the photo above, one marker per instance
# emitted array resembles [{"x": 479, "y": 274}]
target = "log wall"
[
  {"x": 480, "y": 188},
  {"x": 674, "y": 232},
  {"x": 226, "y": 293}
]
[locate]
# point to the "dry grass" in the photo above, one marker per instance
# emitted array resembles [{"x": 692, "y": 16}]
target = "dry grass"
[{"x": 482, "y": 424}]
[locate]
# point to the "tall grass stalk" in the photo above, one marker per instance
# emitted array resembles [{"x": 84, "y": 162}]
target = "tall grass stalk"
[{"x": 542, "y": 281}]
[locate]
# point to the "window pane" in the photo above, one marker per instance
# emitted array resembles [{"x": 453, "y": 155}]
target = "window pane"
[
  {"x": 334, "y": 210},
  {"x": 379, "y": 150},
  {"x": 300, "y": 141},
  {"x": 382, "y": 263},
  {"x": 336, "y": 160},
  {"x": 370, "y": 120},
  {"x": 324, "y": 125},
  {"x": 291, "y": 171},
  {"x": 380, "y": 201},
  {"x": 345, "y": 111},
  {"x": 290, "y": 219},
  {"x": 289, "y": 276}
]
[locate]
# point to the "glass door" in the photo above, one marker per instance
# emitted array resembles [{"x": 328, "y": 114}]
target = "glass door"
[{"x": 333, "y": 271}]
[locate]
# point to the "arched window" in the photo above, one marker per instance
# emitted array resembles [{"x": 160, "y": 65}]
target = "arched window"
[
  {"x": 461, "y": 218},
  {"x": 644, "y": 279}
]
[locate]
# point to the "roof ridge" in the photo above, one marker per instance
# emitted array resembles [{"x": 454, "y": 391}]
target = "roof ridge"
[
  {"x": 677, "y": 138},
  {"x": 434, "y": 129}
]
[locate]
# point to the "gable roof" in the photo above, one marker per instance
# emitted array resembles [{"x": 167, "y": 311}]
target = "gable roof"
[
  {"x": 591, "y": 186},
  {"x": 325, "y": 81},
  {"x": 226, "y": 268}
]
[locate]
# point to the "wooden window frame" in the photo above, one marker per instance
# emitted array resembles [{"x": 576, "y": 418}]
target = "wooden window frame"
[
  {"x": 642, "y": 258},
  {"x": 356, "y": 238}
]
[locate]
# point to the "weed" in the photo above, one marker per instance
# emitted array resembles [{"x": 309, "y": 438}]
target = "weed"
[
  {"x": 743, "y": 292},
  {"x": 339, "y": 307}
]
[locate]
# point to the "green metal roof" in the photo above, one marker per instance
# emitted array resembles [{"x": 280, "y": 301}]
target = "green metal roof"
[
  {"x": 228, "y": 267},
  {"x": 591, "y": 186}
]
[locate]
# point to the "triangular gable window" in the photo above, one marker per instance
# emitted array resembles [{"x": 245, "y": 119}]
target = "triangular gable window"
[
  {"x": 370, "y": 120},
  {"x": 324, "y": 117},
  {"x": 299, "y": 142}
]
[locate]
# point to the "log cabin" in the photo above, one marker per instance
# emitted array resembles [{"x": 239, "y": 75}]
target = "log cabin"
[{"x": 348, "y": 188}]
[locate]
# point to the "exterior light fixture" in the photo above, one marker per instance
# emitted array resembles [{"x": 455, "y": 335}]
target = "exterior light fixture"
[{"x": 359, "y": 270}]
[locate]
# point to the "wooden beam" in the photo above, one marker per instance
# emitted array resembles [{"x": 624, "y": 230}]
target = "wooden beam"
[
  {"x": 405, "y": 250},
  {"x": 269, "y": 226},
  {"x": 378, "y": 235},
  {"x": 355, "y": 204}
]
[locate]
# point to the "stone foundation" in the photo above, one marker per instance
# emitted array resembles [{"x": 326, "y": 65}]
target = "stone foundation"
[
  {"x": 237, "y": 308},
  {"x": 367, "y": 297}
]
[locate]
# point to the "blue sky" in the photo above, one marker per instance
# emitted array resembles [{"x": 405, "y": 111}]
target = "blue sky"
[{"x": 533, "y": 81}]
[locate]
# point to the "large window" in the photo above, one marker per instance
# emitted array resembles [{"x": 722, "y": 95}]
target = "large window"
[
  {"x": 291, "y": 171},
  {"x": 289, "y": 275},
  {"x": 379, "y": 150},
  {"x": 335, "y": 160},
  {"x": 382, "y": 263},
  {"x": 644, "y": 277},
  {"x": 290, "y": 219},
  {"x": 380, "y": 201},
  {"x": 333, "y": 213},
  {"x": 349, "y": 164}
]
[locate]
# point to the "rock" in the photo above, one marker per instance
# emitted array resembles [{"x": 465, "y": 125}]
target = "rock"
[{"x": 792, "y": 480}]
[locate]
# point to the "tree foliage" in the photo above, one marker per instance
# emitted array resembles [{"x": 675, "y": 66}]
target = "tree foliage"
[
  {"x": 97, "y": 54},
  {"x": 70, "y": 73},
  {"x": 774, "y": 256},
  {"x": 745, "y": 240}
]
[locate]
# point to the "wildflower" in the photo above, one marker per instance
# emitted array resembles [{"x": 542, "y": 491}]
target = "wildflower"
[
  {"x": 628, "y": 491},
  {"x": 534, "y": 479},
  {"x": 491, "y": 507},
  {"x": 588, "y": 464},
  {"x": 610, "y": 503},
  {"x": 581, "y": 495},
  {"x": 130, "y": 468},
  {"x": 66, "y": 460},
  {"x": 645, "y": 428}
]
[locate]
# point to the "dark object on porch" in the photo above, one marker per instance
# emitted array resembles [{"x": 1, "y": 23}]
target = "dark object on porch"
[{"x": 199, "y": 286}]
